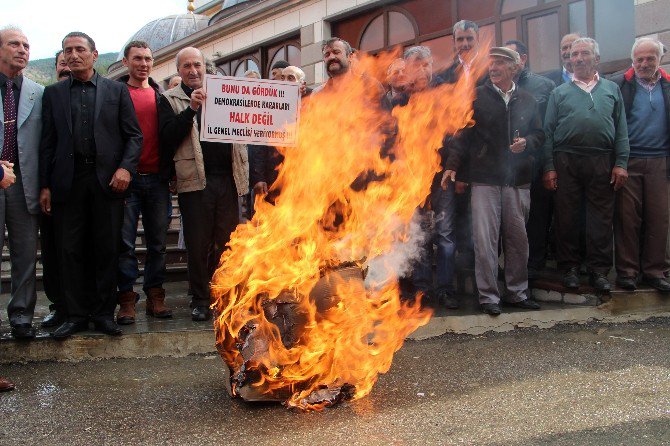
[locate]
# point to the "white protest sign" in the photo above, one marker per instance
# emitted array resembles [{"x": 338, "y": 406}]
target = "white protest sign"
[{"x": 250, "y": 111}]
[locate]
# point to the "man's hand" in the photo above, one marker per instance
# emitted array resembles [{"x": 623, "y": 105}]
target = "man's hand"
[
  {"x": 8, "y": 178},
  {"x": 550, "y": 180},
  {"x": 518, "y": 146},
  {"x": 120, "y": 180},
  {"x": 447, "y": 176},
  {"x": 461, "y": 187},
  {"x": 619, "y": 177},
  {"x": 197, "y": 98},
  {"x": 261, "y": 188},
  {"x": 45, "y": 200}
]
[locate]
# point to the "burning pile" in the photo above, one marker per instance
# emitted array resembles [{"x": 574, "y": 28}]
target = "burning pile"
[{"x": 296, "y": 322}]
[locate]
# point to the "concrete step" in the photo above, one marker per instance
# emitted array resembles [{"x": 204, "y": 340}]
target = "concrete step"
[{"x": 179, "y": 336}]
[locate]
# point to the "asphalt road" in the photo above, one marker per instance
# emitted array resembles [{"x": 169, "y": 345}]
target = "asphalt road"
[{"x": 578, "y": 385}]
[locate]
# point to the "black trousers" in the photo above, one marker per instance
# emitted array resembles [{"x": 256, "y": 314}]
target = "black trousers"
[
  {"x": 539, "y": 223},
  {"x": 50, "y": 273},
  {"x": 209, "y": 217},
  {"x": 88, "y": 239},
  {"x": 588, "y": 177}
]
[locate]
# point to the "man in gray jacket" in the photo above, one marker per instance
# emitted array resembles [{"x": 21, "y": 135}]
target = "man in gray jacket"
[{"x": 19, "y": 204}]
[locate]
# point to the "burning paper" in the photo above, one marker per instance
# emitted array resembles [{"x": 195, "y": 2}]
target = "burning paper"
[{"x": 296, "y": 321}]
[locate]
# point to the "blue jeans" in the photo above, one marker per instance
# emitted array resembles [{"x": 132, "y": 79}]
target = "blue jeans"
[
  {"x": 441, "y": 235},
  {"x": 150, "y": 197}
]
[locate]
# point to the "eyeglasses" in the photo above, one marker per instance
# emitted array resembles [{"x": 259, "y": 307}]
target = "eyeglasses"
[{"x": 593, "y": 103}]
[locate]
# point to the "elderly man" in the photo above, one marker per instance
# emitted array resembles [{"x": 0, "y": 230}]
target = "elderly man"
[
  {"x": 586, "y": 155},
  {"x": 541, "y": 200},
  {"x": 264, "y": 160},
  {"x": 396, "y": 79},
  {"x": 210, "y": 177},
  {"x": 174, "y": 81},
  {"x": 565, "y": 73},
  {"x": 90, "y": 147},
  {"x": 504, "y": 139},
  {"x": 641, "y": 217},
  {"x": 20, "y": 131}
]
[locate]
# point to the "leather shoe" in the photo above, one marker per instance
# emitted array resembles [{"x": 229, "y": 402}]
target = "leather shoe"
[
  {"x": 600, "y": 282},
  {"x": 658, "y": 283},
  {"x": 571, "y": 278},
  {"x": 108, "y": 327},
  {"x": 53, "y": 319},
  {"x": 23, "y": 331},
  {"x": 200, "y": 314},
  {"x": 6, "y": 385},
  {"x": 67, "y": 329},
  {"x": 526, "y": 304},
  {"x": 492, "y": 309},
  {"x": 627, "y": 283}
]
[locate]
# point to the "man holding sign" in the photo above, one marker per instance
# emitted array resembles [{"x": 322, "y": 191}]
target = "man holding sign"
[{"x": 210, "y": 175}]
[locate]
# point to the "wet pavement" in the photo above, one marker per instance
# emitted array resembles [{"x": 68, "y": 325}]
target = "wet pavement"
[{"x": 571, "y": 385}]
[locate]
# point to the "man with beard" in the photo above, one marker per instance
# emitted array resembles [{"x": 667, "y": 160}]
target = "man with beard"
[
  {"x": 210, "y": 177},
  {"x": 506, "y": 133},
  {"x": 50, "y": 276},
  {"x": 586, "y": 150}
]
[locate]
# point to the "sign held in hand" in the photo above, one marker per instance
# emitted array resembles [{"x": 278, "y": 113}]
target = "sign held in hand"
[{"x": 250, "y": 111}]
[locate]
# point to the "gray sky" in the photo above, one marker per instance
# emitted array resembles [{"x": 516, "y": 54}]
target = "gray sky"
[{"x": 110, "y": 23}]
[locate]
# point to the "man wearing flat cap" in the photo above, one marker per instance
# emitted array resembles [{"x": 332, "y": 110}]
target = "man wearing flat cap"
[{"x": 501, "y": 147}]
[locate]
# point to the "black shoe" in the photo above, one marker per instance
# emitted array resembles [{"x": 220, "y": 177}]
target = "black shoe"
[
  {"x": 627, "y": 283},
  {"x": 200, "y": 314},
  {"x": 571, "y": 278},
  {"x": 53, "y": 319},
  {"x": 23, "y": 331},
  {"x": 658, "y": 283},
  {"x": 526, "y": 304},
  {"x": 107, "y": 327},
  {"x": 600, "y": 282},
  {"x": 67, "y": 329},
  {"x": 492, "y": 309},
  {"x": 451, "y": 302}
]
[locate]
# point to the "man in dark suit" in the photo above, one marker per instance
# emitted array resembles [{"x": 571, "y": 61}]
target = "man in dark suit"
[
  {"x": 91, "y": 143},
  {"x": 564, "y": 74}
]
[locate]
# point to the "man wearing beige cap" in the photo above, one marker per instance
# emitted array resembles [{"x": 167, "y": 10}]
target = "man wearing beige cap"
[{"x": 506, "y": 135}]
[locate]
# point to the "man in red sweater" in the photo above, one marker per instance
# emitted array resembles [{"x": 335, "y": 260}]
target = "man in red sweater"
[{"x": 148, "y": 194}]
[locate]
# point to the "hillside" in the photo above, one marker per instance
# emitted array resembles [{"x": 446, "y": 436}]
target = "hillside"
[{"x": 43, "y": 70}]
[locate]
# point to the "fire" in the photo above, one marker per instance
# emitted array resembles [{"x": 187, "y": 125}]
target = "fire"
[{"x": 295, "y": 320}]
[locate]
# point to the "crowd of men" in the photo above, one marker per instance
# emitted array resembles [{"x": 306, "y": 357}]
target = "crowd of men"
[{"x": 572, "y": 154}]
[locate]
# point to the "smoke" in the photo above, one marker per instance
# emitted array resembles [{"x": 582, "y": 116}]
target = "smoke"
[{"x": 408, "y": 248}]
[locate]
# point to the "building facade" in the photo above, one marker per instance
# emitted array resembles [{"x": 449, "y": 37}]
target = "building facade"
[{"x": 252, "y": 34}]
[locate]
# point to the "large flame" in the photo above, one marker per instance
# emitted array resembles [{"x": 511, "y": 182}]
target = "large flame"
[{"x": 320, "y": 221}]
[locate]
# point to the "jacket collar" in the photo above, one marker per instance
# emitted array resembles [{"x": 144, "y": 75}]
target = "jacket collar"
[
  {"x": 152, "y": 82},
  {"x": 630, "y": 74}
]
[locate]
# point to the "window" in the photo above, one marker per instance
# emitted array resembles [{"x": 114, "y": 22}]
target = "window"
[
  {"x": 476, "y": 9},
  {"x": 388, "y": 29},
  {"x": 516, "y": 5},
  {"x": 615, "y": 32},
  {"x": 508, "y": 30},
  {"x": 543, "y": 40},
  {"x": 577, "y": 14},
  {"x": 289, "y": 52}
]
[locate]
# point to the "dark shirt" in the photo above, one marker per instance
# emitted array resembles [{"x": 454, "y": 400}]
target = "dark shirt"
[
  {"x": 16, "y": 89},
  {"x": 217, "y": 157},
  {"x": 82, "y": 107}
]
